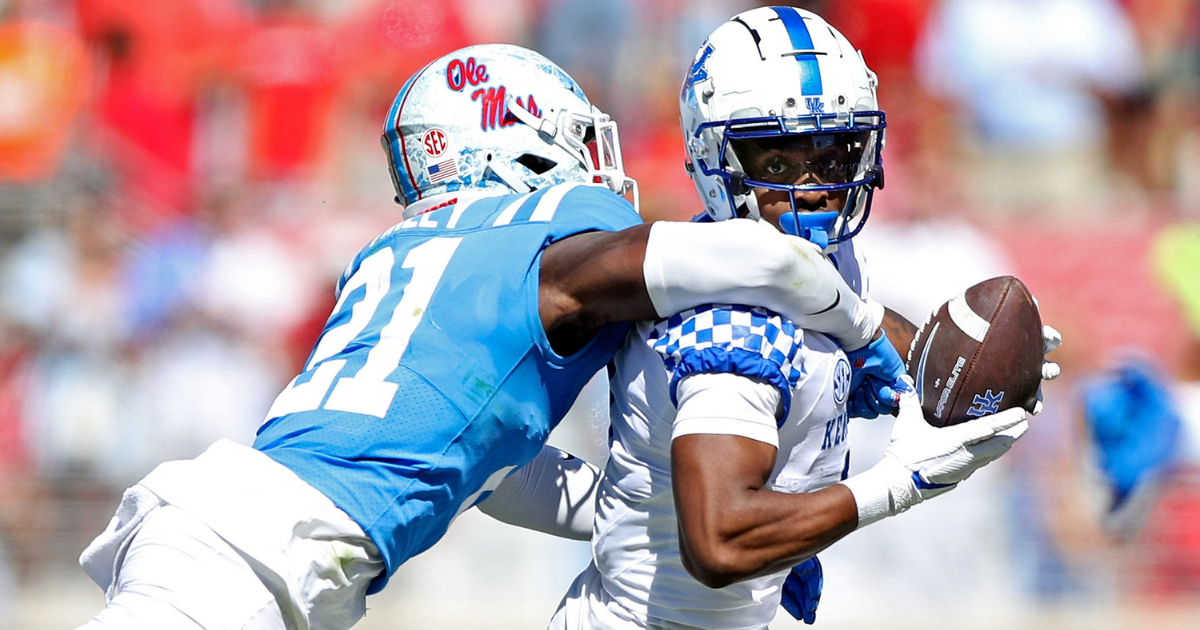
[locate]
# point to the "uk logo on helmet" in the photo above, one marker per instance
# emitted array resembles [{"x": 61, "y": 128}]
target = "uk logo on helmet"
[{"x": 434, "y": 142}]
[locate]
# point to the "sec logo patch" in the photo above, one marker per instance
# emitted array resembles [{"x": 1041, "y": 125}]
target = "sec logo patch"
[
  {"x": 434, "y": 142},
  {"x": 841, "y": 380}
]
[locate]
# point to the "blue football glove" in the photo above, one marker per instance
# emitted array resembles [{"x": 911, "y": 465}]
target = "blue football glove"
[
  {"x": 802, "y": 590},
  {"x": 875, "y": 384}
]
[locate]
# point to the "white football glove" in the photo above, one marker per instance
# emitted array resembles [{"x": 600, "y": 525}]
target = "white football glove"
[
  {"x": 1051, "y": 340},
  {"x": 923, "y": 461}
]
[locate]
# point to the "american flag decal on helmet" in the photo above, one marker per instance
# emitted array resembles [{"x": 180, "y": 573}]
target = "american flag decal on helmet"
[{"x": 443, "y": 170}]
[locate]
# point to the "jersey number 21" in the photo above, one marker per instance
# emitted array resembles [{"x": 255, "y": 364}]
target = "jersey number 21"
[{"x": 366, "y": 391}]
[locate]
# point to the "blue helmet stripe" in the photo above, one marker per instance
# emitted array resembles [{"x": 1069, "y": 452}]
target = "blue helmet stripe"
[{"x": 810, "y": 70}]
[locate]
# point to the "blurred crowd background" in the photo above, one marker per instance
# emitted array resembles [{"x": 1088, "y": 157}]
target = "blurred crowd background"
[{"x": 181, "y": 182}]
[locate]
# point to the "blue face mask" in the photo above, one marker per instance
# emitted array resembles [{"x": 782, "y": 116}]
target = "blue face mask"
[{"x": 812, "y": 226}]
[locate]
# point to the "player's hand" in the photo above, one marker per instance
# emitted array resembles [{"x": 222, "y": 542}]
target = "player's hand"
[
  {"x": 802, "y": 590},
  {"x": 942, "y": 457},
  {"x": 875, "y": 371},
  {"x": 922, "y": 461}
]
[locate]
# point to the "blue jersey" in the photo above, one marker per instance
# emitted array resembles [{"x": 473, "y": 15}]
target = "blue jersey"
[{"x": 433, "y": 377}]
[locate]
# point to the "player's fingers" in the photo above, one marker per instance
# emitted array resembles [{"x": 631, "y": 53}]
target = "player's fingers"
[
  {"x": 987, "y": 426},
  {"x": 889, "y": 398},
  {"x": 1016, "y": 431},
  {"x": 989, "y": 450},
  {"x": 1050, "y": 370},
  {"x": 881, "y": 404},
  {"x": 1051, "y": 339}
]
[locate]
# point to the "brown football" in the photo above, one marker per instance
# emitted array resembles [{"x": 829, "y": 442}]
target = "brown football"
[{"x": 979, "y": 353}]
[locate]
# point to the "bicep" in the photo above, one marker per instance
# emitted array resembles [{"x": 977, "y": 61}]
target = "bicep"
[
  {"x": 708, "y": 473},
  {"x": 724, "y": 445}
]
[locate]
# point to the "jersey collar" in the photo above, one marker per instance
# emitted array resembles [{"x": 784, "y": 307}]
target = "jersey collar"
[{"x": 442, "y": 200}]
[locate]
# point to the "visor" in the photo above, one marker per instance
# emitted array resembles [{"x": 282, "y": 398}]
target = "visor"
[{"x": 821, "y": 158}]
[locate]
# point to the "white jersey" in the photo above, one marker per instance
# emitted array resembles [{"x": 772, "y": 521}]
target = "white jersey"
[{"x": 636, "y": 541}]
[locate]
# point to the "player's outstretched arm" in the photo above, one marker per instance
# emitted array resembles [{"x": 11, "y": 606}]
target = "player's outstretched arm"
[{"x": 659, "y": 269}]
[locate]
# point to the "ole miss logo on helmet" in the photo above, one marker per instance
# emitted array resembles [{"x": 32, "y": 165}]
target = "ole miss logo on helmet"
[
  {"x": 434, "y": 142},
  {"x": 492, "y": 101}
]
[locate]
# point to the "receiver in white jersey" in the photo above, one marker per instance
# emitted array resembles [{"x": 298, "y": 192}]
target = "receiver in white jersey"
[{"x": 637, "y": 578}]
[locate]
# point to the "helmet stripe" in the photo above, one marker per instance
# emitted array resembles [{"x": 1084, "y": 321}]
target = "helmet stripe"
[
  {"x": 392, "y": 131},
  {"x": 810, "y": 70}
]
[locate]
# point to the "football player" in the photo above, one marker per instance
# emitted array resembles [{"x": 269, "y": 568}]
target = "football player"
[
  {"x": 729, "y": 457},
  {"x": 460, "y": 338}
]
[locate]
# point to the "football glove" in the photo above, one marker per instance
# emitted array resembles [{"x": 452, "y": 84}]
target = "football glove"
[
  {"x": 922, "y": 461},
  {"x": 1051, "y": 340},
  {"x": 875, "y": 371},
  {"x": 802, "y": 590}
]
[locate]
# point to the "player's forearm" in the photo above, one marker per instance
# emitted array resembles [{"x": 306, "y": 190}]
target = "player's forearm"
[
  {"x": 731, "y": 527},
  {"x": 749, "y": 262},
  {"x": 771, "y": 531}
]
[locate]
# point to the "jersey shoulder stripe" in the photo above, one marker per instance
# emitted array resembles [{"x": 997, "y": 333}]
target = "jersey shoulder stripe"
[{"x": 735, "y": 339}]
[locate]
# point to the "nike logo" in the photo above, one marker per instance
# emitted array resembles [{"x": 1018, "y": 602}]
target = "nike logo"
[{"x": 837, "y": 300}]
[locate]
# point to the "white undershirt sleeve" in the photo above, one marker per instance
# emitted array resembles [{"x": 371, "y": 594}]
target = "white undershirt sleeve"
[
  {"x": 741, "y": 261},
  {"x": 555, "y": 493},
  {"x": 727, "y": 404}
]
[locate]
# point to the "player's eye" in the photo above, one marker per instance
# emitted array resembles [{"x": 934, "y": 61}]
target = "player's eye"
[{"x": 776, "y": 166}]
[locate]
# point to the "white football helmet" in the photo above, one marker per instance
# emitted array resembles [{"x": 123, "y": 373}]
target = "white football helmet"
[
  {"x": 780, "y": 80},
  {"x": 497, "y": 117}
]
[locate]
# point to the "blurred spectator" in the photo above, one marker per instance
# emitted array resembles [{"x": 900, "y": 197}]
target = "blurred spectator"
[
  {"x": 582, "y": 35},
  {"x": 43, "y": 81},
  {"x": 1032, "y": 78},
  {"x": 155, "y": 60},
  {"x": 64, "y": 289},
  {"x": 1159, "y": 146},
  {"x": 291, "y": 66}
]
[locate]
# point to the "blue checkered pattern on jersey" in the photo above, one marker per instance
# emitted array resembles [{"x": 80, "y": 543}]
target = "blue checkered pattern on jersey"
[{"x": 745, "y": 340}]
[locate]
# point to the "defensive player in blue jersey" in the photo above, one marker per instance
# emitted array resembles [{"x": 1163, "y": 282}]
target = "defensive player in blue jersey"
[{"x": 460, "y": 338}]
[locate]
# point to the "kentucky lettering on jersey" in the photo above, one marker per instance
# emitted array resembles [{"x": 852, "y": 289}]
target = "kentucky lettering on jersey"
[{"x": 433, "y": 376}]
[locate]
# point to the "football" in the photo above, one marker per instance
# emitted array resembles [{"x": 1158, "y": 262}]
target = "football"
[{"x": 979, "y": 353}]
